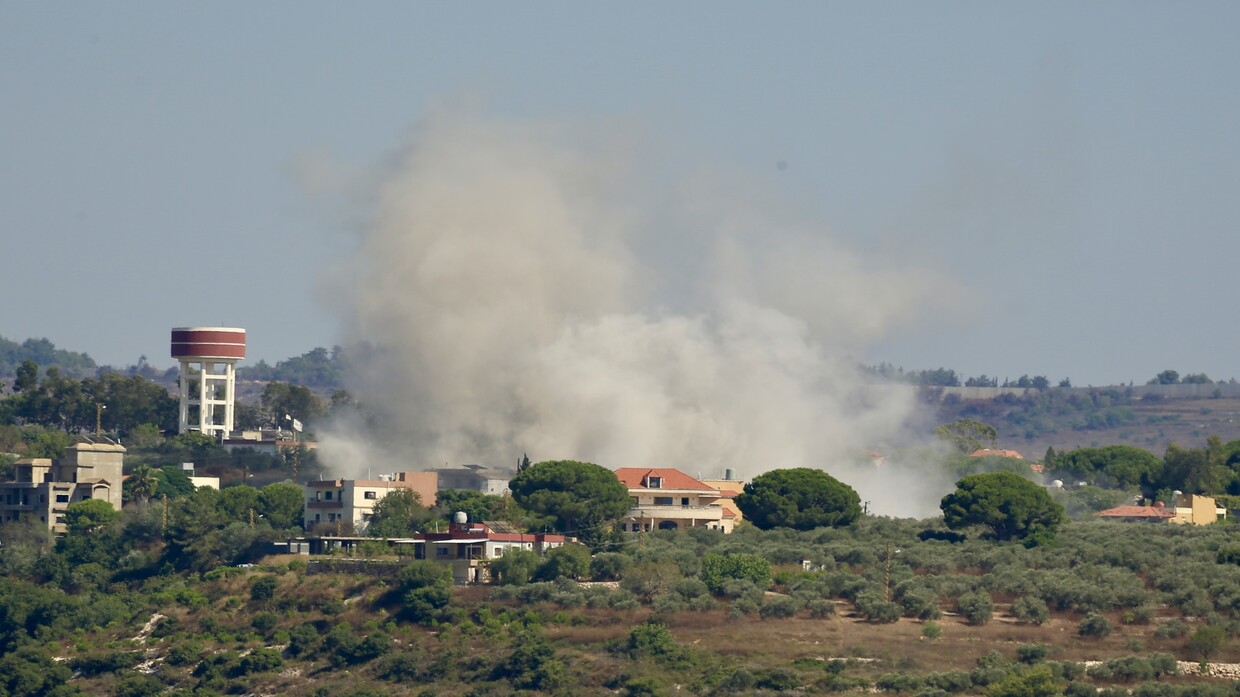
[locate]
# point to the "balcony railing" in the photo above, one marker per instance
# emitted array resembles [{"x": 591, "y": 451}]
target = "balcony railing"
[{"x": 325, "y": 504}]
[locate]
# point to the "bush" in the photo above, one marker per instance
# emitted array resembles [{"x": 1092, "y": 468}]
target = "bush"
[
  {"x": 976, "y": 607},
  {"x": 897, "y": 682},
  {"x": 263, "y": 587},
  {"x": 820, "y": 608},
  {"x": 779, "y": 608},
  {"x": 931, "y": 629},
  {"x": 719, "y": 568},
  {"x": 1094, "y": 625},
  {"x": 874, "y": 608},
  {"x": 1031, "y": 653},
  {"x": 1206, "y": 642},
  {"x": 1030, "y": 610}
]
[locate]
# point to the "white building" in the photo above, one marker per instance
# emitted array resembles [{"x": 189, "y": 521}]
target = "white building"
[
  {"x": 668, "y": 499},
  {"x": 348, "y": 504}
]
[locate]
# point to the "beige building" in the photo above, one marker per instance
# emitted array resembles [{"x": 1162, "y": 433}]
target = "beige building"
[
  {"x": 42, "y": 488},
  {"x": 668, "y": 499},
  {"x": 1191, "y": 509},
  {"x": 350, "y": 503}
]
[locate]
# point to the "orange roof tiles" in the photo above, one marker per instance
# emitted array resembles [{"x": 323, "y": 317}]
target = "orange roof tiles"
[
  {"x": 639, "y": 478},
  {"x": 1136, "y": 512},
  {"x": 990, "y": 452}
]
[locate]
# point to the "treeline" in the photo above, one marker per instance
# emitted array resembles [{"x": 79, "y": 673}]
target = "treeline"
[{"x": 43, "y": 352}]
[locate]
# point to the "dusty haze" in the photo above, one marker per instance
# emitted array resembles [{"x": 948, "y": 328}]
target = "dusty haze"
[{"x": 529, "y": 294}]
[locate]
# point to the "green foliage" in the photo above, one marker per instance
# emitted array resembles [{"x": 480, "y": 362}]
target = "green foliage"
[
  {"x": 798, "y": 498},
  {"x": 571, "y": 561},
  {"x": 968, "y": 435},
  {"x": 931, "y": 630},
  {"x": 875, "y": 608},
  {"x": 17, "y": 358},
  {"x": 718, "y": 568},
  {"x": 424, "y": 588},
  {"x": 263, "y": 588},
  {"x": 1009, "y": 505},
  {"x": 1038, "y": 681},
  {"x": 1206, "y": 642},
  {"x": 1095, "y": 626},
  {"x": 398, "y": 514},
  {"x": 1030, "y": 610},
  {"x": 575, "y": 494},
  {"x": 976, "y": 607},
  {"x": 86, "y": 517},
  {"x": 532, "y": 665},
  {"x": 475, "y": 504},
  {"x": 281, "y": 505},
  {"x": 1117, "y": 465},
  {"x": 516, "y": 567}
]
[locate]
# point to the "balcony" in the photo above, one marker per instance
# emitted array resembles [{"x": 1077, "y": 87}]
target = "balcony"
[{"x": 325, "y": 504}]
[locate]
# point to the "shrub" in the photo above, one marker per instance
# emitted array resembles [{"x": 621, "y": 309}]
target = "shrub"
[
  {"x": 874, "y": 608},
  {"x": 608, "y": 566},
  {"x": 1206, "y": 641},
  {"x": 264, "y": 622},
  {"x": 778, "y": 608},
  {"x": 897, "y": 682},
  {"x": 260, "y": 660},
  {"x": 718, "y": 568},
  {"x": 820, "y": 608},
  {"x": 263, "y": 587},
  {"x": 1094, "y": 625},
  {"x": 931, "y": 629},
  {"x": 1031, "y": 653},
  {"x": 976, "y": 607},
  {"x": 1030, "y": 610}
]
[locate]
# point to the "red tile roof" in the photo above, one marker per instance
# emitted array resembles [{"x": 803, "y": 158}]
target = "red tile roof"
[
  {"x": 990, "y": 452},
  {"x": 1137, "y": 512},
  {"x": 638, "y": 478}
]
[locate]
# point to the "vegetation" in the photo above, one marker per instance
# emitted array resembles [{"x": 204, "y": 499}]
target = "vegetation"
[
  {"x": 800, "y": 498},
  {"x": 576, "y": 495},
  {"x": 1008, "y": 505}
]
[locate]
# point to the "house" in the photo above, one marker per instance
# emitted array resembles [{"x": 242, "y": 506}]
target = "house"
[
  {"x": 668, "y": 499},
  {"x": 991, "y": 452},
  {"x": 487, "y": 480},
  {"x": 468, "y": 547},
  {"x": 1139, "y": 514},
  {"x": 728, "y": 490},
  {"x": 1192, "y": 509},
  {"x": 42, "y": 488},
  {"x": 348, "y": 504}
]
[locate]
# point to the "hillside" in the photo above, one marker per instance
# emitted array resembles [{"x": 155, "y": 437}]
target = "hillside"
[{"x": 1149, "y": 417}]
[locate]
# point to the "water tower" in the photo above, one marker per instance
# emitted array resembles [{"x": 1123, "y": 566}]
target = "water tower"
[{"x": 208, "y": 357}]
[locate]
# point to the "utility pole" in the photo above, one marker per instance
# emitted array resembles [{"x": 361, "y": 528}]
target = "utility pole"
[{"x": 99, "y": 407}]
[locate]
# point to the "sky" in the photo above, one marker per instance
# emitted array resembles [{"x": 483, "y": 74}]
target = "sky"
[{"x": 1070, "y": 172}]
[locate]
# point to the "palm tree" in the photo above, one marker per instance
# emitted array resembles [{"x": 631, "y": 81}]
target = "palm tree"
[{"x": 142, "y": 483}]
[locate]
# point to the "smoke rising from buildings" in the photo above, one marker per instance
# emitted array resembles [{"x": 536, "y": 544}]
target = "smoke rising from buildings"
[{"x": 525, "y": 294}]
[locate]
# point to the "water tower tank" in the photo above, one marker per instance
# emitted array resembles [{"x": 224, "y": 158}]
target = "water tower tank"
[
  {"x": 460, "y": 518},
  {"x": 208, "y": 360}
]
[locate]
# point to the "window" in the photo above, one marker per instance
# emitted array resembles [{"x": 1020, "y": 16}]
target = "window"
[
  {"x": 441, "y": 551},
  {"x": 684, "y": 501},
  {"x": 654, "y": 482},
  {"x": 663, "y": 500},
  {"x": 367, "y": 516},
  {"x": 372, "y": 495},
  {"x": 327, "y": 496},
  {"x": 62, "y": 498},
  {"x": 499, "y": 551},
  {"x": 316, "y": 517}
]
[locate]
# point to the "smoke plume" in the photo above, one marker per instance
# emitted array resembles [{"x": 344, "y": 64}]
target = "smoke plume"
[{"x": 525, "y": 294}]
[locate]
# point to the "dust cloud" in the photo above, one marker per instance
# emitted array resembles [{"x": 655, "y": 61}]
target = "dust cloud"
[{"x": 521, "y": 293}]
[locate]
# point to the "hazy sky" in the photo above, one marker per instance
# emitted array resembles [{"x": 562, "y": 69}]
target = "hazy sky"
[{"x": 1074, "y": 166}]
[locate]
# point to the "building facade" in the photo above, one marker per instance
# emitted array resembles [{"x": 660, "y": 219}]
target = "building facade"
[
  {"x": 42, "y": 489},
  {"x": 668, "y": 499},
  {"x": 348, "y": 504},
  {"x": 487, "y": 480}
]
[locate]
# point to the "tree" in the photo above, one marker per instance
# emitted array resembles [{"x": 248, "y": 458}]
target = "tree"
[
  {"x": 27, "y": 376},
  {"x": 282, "y": 505},
  {"x": 799, "y": 498},
  {"x": 397, "y": 514},
  {"x": 475, "y": 504},
  {"x": 968, "y": 435},
  {"x": 1166, "y": 377},
  {"x": 1126, "y": 465},
  {"x": 574, "y": 494},
  {"x": 85, "y": 517},
  {"x": 515, "y": 568},
  {"x": 717, "y": 568},
  {"x": 282, "y": 399},
  {"x": 424, "y": 587},
  {"x": 142, "y": 483},
  {"x": 1011, "y": 506},
  {"x": 570, "y": 561}
]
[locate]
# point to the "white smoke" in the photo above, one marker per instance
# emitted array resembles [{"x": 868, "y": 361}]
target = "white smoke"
[{"x": 522, "y": 297}]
